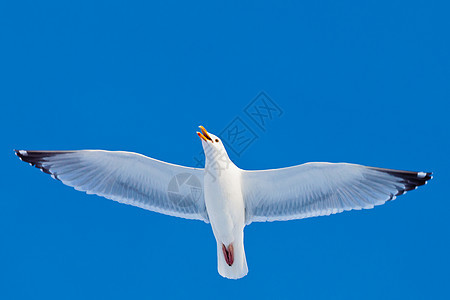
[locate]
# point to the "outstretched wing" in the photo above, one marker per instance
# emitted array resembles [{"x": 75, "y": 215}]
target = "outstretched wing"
[
  {"x": 317, "y": 189},
  {"x": 128, "y": 178}
]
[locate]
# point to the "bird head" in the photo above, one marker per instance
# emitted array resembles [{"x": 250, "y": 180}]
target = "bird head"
[{"x": 212, "y": 145}]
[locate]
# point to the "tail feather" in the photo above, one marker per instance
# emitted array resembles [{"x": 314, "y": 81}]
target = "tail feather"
[{"x": 239, "y": 267}]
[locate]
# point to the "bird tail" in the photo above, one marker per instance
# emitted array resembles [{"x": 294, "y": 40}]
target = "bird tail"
[{"x": 238, "y": 268}]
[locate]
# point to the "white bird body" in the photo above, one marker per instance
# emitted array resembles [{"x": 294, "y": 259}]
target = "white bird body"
[
  {"x": 222, "y": 194},
  {"x": 226, "y": 211}
]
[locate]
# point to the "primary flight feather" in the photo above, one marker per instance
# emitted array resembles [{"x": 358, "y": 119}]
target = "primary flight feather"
[{"x": 225, "y": 196}]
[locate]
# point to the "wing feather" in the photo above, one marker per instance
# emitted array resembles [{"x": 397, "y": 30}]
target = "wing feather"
[
  {"x": 125, "y": 177},
  {"x": 317, "y": 189}
]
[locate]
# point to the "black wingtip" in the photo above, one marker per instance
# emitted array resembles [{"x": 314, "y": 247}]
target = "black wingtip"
[
  {"x": 37, "y": 158},
  {"x": 411, "y": 180},
  {"x": 20, "y": 153}
]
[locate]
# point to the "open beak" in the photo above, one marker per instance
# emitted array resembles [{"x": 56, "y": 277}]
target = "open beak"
[{"x": 204, "y": 134}]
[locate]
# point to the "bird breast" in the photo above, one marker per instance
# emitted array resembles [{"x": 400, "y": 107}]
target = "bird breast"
[{"x": 224, "y": 204}]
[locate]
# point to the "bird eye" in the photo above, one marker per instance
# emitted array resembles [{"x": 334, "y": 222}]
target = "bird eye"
[{"x": 217, "y": 140}]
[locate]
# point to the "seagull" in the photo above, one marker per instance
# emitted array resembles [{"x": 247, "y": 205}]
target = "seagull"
[{"x": 222, "y": 194}]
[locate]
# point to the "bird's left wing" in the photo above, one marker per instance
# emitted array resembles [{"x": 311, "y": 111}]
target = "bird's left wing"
[
  {"x": 317, "y": 189},
  {"x": 128, "y": 178}
]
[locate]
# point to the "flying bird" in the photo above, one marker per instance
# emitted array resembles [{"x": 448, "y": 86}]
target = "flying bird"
[{"x": 222, "y": 194}]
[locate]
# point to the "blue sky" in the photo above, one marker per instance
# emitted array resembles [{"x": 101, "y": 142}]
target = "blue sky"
[{"x": 355, "y": 82}]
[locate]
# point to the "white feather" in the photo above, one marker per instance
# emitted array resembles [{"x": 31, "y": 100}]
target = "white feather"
[
  {"x": 126, "y": 177},
  {"x": 315, "y": 189}
]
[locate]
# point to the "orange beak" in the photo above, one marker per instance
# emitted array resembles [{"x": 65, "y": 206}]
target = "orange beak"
[{"x": 204, "y": 134}]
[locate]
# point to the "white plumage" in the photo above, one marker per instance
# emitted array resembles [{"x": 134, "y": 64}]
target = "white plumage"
[{"x": 222, "y": 194}]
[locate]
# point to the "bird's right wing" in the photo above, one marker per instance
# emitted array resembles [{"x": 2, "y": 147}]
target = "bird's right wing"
[
  {"x": 317, "y": 189},
  {"x": 128, "y": 178}
]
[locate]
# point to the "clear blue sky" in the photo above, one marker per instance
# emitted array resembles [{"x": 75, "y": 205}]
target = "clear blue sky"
[{"x": 365, "y": 83}]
